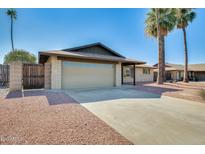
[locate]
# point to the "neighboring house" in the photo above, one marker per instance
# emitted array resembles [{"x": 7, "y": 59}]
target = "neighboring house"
[
  {"x": 88, "y": 66},
  {"x": 175, "y": 72},
  {"x": 143, "y": 73}
]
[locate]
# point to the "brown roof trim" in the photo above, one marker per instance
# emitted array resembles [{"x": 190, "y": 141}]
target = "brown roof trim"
[{"x": 86, "y": 60}]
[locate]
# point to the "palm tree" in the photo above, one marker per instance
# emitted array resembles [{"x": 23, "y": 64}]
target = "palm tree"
[
  {"x": 184, "y": 17},
  {"x": 159, "y": 23},
  {"x": 12, "y": 14}
]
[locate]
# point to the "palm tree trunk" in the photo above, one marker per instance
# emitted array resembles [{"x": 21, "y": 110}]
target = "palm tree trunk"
[
  {"x": 186, "y": 79},
  {"x": 160, "y": 51},
  {"x": 160, "y": 60},
  {"x": 12, "y": 43},
  {"x": 163, "y": 54}
]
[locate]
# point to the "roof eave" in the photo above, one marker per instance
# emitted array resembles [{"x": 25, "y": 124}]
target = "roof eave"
[{"x": 123, "y": 60}]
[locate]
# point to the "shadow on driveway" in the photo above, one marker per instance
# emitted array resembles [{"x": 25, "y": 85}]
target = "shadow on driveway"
[{"x": 53, "y": 98}]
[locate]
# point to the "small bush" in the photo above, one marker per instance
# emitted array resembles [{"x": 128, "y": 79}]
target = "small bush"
[
  {"x": 19, "y": 55},
  {"x": 203, "y": 94}
]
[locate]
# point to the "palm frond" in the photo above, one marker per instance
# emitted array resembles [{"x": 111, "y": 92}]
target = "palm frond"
[
  {"x": 167, "y": 21},
  {"x": 12, "y": 13},
  {"x": 184, "y": 16}
]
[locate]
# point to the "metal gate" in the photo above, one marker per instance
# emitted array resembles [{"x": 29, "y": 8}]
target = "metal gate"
[
  {"x": 4, "y": 75},
  {"x": 33, "y": 76}
]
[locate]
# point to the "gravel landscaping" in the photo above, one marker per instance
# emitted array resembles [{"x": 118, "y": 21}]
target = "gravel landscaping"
[
  {"x": 3, "y": 92},
  {"x": 187, "y": 91},
  {"x": 45, "y": 117}
]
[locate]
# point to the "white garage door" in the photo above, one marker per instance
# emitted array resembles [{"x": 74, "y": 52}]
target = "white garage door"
[{"x": 87, "y": 75}]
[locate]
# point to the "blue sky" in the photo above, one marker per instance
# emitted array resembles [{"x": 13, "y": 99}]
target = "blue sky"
[{"x": 120, "y": 29}]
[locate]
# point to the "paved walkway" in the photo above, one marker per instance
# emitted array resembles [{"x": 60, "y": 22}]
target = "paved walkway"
[
  {"x": 45, "y": 117},
  {"x": 163, "y": 120}
]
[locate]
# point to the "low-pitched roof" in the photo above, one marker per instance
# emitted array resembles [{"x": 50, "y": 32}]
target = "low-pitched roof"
[
  {"x": 197, "y": 67},
  {"x": 174, "y": 67},
  {"x": 71, "y": 52},
  {"x": 180, "y": 67},
  {"x": 94, "y": 44},
  {"x": 145, "y": 66}
]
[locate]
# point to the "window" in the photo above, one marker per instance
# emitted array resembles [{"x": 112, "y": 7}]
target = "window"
[{"x": 146, "y": 71}]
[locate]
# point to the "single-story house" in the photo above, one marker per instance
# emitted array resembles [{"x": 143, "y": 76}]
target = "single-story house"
[
  {"x": 89, "y": 66},
  {"x": 175, "y": 72}
]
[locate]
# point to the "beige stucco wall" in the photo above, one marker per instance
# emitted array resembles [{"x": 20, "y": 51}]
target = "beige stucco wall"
[
  {"x": 56, "y": 69},
  {"x": 140, "y": 77},
  {"x": 118, "y": 74},
  {"x": 47, "y": 75},
  {"x": 15, "y": 76}
]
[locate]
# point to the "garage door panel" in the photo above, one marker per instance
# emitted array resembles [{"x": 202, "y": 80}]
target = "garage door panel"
[{"x": 87, "y": 75}]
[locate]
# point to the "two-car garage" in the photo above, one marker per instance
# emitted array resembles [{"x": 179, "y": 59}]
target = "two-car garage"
[{"x": 76, "y": 75}]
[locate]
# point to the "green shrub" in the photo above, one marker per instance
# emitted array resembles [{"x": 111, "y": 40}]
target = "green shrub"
[{"x": 19, "y": 55}]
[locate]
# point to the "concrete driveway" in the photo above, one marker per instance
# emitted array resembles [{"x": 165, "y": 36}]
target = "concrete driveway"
[
  {"x": 145, "y": 118},
  {"x": 103, "y": 94}
]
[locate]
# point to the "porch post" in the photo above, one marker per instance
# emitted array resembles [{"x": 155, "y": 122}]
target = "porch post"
[
  {"x": 47, "y": 75},
  {"x": 122, "y": 74},
  {"x": 56, "y": 66},
  {"x": 134, "y": 80},
  {"x": 118, "y": 74}
]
